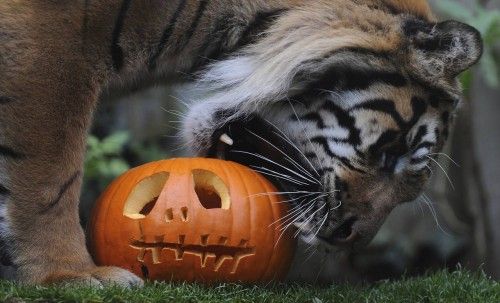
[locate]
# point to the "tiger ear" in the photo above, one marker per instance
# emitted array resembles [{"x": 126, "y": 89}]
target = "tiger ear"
[{"x": 443, "y": 49}]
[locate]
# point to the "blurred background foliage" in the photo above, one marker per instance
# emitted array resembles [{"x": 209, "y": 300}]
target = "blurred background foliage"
[{"x": 443, "y": 229}]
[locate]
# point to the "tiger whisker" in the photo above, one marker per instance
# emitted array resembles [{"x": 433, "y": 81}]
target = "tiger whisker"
[
  {"x": 276, "y": 193},
  {"x": 291, "y": 215},
  {"x": 298, "y": 119},
  {"x": 277, "y": 173},
  {"x": 447, "y": 156},
  {"x": 288, "y": 226},
  {"x": 298, "y": 166},
  {"x": 279, "y": 176},
  {"x": 295, "y": 199},
  {"x": 288, "y": 215},
  {"x": 422, "y": 213},
  {"x": 337, "y": 206},
  {"x": 270, "y": 161},
  {"x": 321, "y": 225},
  {"x": 433, "y": 212},
  {"x": 291, "y": 223},
  {"x": 309, "y": 218},
  {"x": 300, "y": 224},
  {"x": 283, "y": 136},
  {"x": 301, "y": 208},
  {"x": 174, "y": 112},
  {"x": 179, "y": 100},
  {"x": 430, "y": 169},
  {"x": 444, "y": 171}
]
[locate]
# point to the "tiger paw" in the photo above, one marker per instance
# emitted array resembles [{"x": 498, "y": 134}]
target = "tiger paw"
[{"x": 96, "y": 277}]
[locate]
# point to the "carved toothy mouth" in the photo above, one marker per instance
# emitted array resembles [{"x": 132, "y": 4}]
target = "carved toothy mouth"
[{"x": 220, "y": 252}]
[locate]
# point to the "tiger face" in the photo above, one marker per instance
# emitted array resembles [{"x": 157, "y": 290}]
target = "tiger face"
[{"x": 356, "y": 133}]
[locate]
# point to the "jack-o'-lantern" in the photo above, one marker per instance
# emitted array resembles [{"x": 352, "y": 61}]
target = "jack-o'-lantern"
[{"x": 201, "y": 220}]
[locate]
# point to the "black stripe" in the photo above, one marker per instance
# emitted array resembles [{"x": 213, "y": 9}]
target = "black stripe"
[
  {"x": 426, "y": 144},
  {"x": 9, "y": 152},
  {"x": 418, "y": 160},
  {"x": 61, "y": 193},
  {"x": 4, "y": 191},
  {"x": 116, "y": 50},
  {"x": 437, "y": 95},
  {"x": 186, "y": 38},
  {"x": 384, "y": 106},
  {"x": 260, "y": 23},
  {"x": 345, "y": 121},
  {"x": 313, "y": 117},
  {"x": 421, "y": 132},
  {"x": 216, "y": 43},
  {"x": 349, "y": 78},
  {"x": 324, "y": 143},
  {"x": 213, "y": 46},
  {"x": 166, "y": 35},
  {"x": 419, "y": 106},
  {"x": 5, "y": 99},
  {"x": 384, "y": 139}
]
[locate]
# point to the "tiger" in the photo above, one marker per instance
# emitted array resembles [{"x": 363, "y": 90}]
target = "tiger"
[{"x": 344, "y": 104}]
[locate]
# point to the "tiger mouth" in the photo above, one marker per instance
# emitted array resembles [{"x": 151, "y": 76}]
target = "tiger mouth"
[{"x": 256, "y": 143}]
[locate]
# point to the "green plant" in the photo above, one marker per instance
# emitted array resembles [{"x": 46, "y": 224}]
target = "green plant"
[
  {"x": 103, "y": 161},
  {"x": 487, "y": 21}
]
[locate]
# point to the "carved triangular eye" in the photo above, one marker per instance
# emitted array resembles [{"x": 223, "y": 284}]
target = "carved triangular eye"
[
  {"x": 211, "y": 190},
  {"x": 143, "y": 196}
]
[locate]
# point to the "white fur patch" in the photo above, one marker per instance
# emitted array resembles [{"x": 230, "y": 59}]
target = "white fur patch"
[{"x": 342, "y": 149}]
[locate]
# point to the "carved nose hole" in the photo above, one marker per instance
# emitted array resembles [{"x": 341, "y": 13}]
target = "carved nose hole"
[
  {"x": 212, "y": 192},
  {"x": 184, "y": 214},
  {"x": 144, "y": 195},
  {"x": 169, "y": 215}
]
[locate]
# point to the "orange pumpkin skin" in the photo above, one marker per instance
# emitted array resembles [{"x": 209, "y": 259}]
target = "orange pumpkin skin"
[{"x": 178, "y": 239}]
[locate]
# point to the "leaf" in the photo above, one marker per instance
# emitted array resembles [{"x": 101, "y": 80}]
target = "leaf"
[
  {"x": 117, "y": 167},
  {"x": 92, "y": 141},
  {"x": 114, "y": 143}
]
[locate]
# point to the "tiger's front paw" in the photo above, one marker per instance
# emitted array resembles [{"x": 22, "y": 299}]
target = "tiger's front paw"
[{"x": 96, "y": 277}]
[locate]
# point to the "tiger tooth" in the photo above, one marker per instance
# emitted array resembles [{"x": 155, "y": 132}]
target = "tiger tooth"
[{"x": 224, "y": 138}]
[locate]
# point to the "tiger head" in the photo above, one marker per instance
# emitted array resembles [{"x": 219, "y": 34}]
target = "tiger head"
[{"x": 344, "y": 106}]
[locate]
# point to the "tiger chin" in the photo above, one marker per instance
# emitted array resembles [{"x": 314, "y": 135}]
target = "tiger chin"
[{"x": 343, "y": 104}]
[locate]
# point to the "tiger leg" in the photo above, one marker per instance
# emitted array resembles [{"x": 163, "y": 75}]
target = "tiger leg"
[{"x": 42, "y": 144}]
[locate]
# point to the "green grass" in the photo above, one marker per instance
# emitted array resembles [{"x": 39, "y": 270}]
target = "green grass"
[{"x": 460, "y": 286}]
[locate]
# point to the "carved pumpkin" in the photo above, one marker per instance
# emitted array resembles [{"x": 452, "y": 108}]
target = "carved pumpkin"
[{"x": 192, "y": 220}]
